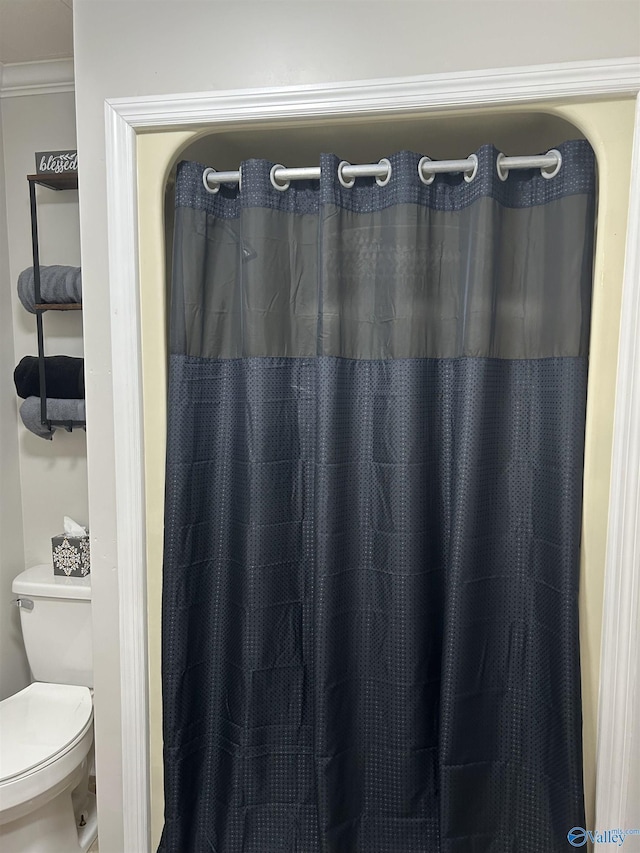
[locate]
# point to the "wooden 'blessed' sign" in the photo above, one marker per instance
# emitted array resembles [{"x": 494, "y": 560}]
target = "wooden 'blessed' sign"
[{"x": 56, "y": 162}]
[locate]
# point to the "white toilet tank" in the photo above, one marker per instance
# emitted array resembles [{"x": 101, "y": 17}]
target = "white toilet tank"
[{"x": 55, "y": 614}]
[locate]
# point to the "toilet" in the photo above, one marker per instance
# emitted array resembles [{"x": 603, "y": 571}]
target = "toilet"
[{"x": 46, "y": 730}]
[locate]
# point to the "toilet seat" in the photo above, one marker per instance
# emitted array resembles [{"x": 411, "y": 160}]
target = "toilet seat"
[
  {"x": 57, "y": 712},
  {"x": 39, "y": 725}
]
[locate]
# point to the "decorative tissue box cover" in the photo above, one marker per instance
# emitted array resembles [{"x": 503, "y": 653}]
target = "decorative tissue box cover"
[{"x": 71, "y": 555}]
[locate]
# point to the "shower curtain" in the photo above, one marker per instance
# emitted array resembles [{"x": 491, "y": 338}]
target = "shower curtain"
[{"x": 376, "y": 416}]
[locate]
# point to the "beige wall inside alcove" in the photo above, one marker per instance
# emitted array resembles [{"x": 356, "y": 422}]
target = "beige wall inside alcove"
[{"x": 609, "y": 127}]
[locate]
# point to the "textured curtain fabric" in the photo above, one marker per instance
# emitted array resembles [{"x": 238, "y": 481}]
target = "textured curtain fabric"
[{"x": 373, "y": 508}]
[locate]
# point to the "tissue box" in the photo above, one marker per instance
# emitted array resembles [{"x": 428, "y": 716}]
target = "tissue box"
[{"x": 71, "y": 555}]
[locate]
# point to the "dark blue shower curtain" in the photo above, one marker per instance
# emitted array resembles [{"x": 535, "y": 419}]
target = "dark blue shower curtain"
[{"x": 373, "y": 506}]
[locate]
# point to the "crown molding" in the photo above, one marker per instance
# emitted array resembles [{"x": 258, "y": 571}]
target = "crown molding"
[{"x": 36, "y": 78}]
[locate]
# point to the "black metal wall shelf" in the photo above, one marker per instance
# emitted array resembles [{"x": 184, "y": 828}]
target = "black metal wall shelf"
[{"x": 62, "y": 181}]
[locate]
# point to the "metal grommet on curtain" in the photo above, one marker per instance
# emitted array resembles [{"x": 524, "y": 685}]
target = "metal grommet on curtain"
[
  {"x": 552, "y": 171},
  {"x": 274, "y": 180},
  {"x": 432, "y": 176},
  {"x": 209, "y": 171},
  {"x": 470, "y": 174},
  {"x": 503, "y": 173},
  {"x": 382, "y": 182},
  {"x": 240, "y": 178},
  {"x": 346, "y": 182}
]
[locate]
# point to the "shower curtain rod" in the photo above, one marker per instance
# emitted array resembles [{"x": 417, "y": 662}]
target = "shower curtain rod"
[{"x": 549, "y": 165}]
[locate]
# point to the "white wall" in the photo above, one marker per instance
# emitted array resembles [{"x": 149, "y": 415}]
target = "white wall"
[
  {"x": 53, "y": 473},
  {"x": 41, "y": 480},
  {"x": 14, "y": 670},
  {"x": 147, "y": 47}
]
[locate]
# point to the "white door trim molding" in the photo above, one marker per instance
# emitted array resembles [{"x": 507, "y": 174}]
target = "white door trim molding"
[
  {"x": 601, "y": 78},
  {"x": 124, "y": 117},
  {"x": 126, "y": 366},
  {"x": 619, "y": 709}
]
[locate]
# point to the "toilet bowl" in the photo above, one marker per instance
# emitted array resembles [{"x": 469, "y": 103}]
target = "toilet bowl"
[
  {"x": 46, "y": 730},
  {"x": 45, "y": 749}
]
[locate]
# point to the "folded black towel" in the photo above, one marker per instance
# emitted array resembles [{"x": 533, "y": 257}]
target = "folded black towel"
[
  {"x": 57, "y": 284},
  {"x": 64, "y": 377},
  {"x": 57, "y": 410}
]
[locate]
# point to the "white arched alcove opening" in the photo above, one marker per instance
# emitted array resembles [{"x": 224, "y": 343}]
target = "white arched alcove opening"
[{"x": 136, "y": 210}]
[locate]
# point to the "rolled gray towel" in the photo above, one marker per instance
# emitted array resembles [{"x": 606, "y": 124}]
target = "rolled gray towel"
[
  {"x": 57, "y": 284},
  {"x": 57, "y": 410}
]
